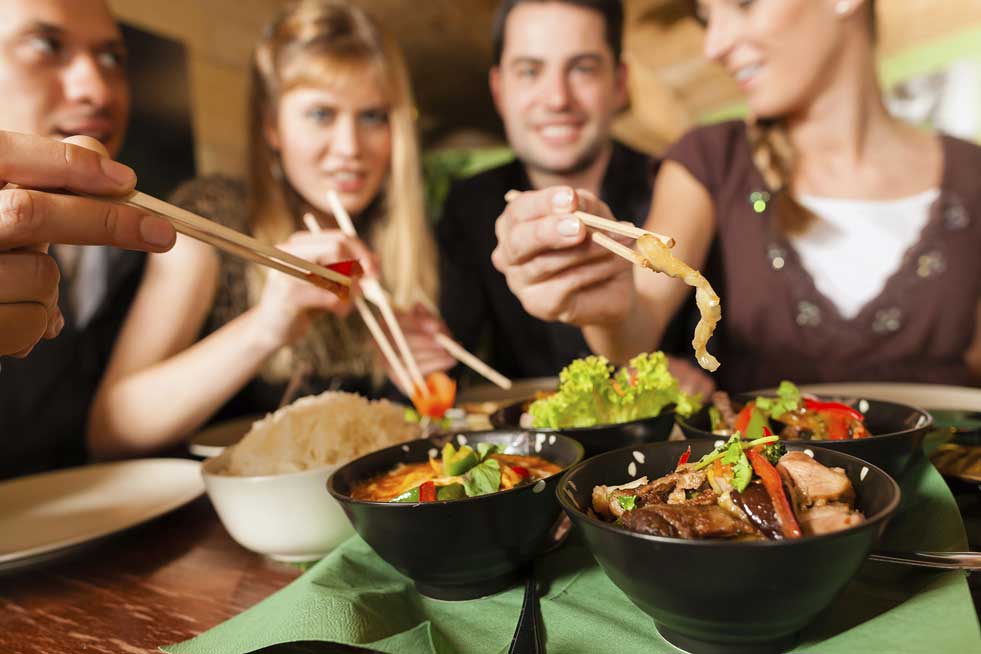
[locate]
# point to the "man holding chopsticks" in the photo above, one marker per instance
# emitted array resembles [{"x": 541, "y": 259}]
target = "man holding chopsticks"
[
  {"x": 62, "y": 71},
  {"x": 558, "y": 81}
]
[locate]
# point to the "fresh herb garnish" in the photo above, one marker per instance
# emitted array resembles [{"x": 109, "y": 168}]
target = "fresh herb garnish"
[{"x": 483, "y": 478}]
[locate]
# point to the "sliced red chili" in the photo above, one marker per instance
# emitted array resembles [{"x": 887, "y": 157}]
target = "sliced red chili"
[
  {"x": 774, "y": 488},
  {"x": 521, "y": 471},
  {"x": 742, "y": 418},
  {"x": 684, "y": 458},
  {"x": 427, "y": 492},
  {"x": 835, "y": 407}
]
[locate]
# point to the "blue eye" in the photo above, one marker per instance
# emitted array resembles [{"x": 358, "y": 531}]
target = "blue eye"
[
  {"x": 321, "y": 114},
  {"x": 374, "y": 117}
]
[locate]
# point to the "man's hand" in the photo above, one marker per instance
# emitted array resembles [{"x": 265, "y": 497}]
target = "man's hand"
[{"x": 30, "y": 219}]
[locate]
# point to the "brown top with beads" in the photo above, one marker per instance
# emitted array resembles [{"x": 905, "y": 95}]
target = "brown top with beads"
[{"x": 777, "y": 325}]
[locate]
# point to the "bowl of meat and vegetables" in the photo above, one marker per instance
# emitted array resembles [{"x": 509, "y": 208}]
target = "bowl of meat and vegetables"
[
  {"x": 887, "y": 434},
  {"x": 729, "y": 548}
]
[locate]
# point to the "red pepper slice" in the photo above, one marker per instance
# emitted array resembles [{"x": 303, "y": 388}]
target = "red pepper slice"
[
  {"x": 834, "y": 407},
  {"x": 684, "y": 458},
  {"x": 442, "y": 395},
  {"x": 521, "y": 471},
  {"x": 427, "y": 491},
  {"x": 742, "y": 418},
  {"x": 774, "y": 488}
]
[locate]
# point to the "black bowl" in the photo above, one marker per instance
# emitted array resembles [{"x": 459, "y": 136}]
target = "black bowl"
[
  {"x": 897, "y": 432},
  {"x": 459, "y": 549},
  {"x": 713, "y": 596},
  {"x": 598, "y": 439}
]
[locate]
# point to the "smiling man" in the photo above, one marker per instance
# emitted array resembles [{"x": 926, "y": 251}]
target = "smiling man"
[
  {"x": 557, "y": 82},
  {"x": 62, "y": 72}
]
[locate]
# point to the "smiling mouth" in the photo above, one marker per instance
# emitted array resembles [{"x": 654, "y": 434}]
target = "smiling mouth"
[
  {"x": 746, "y": 73},
  {"x": 560, "y": 133}
]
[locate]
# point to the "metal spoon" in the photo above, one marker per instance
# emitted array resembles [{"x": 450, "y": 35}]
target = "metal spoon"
[{"x": 936, "y": 560}]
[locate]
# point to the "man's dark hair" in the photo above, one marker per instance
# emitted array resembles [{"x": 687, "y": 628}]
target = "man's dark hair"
[{"x": 611, "y": 10}]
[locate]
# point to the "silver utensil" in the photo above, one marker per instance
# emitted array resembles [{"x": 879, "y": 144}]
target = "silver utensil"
[{"x": 936, "y": 560}]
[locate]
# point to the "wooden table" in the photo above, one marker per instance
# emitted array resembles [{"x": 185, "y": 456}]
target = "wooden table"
[
  {"x": 169, "y": 580},
  {"x": 162, "y": 582}
]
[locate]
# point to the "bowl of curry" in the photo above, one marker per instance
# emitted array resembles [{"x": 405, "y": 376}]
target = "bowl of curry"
[{"x": 459, "y": 515}]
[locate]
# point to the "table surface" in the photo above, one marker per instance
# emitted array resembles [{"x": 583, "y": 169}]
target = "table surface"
[{"x": 169, "y": 580}]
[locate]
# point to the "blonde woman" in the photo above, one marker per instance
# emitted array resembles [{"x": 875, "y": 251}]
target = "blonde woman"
[
  {"x": 331, "y": 109},
  {"x": 847, "y": 239}
]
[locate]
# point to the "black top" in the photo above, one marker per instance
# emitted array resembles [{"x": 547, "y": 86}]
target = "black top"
[
  {"x": 477, "y": 305},
  {"x": 45, "y": 398}
]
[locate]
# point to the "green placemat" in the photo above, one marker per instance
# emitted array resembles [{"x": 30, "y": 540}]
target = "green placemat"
[{"x": 354, "y": 598}]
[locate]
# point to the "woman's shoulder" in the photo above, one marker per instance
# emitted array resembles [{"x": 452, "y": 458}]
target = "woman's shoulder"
[
  {"x": 216, "y": 197},
  {"x": 712, "y": 152},
  {"x": 962, "y": 168}
]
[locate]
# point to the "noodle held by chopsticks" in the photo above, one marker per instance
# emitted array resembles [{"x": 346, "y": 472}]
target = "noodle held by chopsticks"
[{"x": 658, "y": 258}]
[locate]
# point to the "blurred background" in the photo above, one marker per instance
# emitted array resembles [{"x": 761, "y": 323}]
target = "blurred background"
[{"x": 189, "y": 66}]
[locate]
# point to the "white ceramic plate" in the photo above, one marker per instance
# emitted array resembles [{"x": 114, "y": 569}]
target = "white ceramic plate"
[
  {"x": 213, "y": 440},
  {"x": 46, "y": 513},
  {"x": 926, "y": 396}
]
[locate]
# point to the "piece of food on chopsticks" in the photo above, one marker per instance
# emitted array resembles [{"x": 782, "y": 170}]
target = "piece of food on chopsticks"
[
  {"x": 456, "y": 474},
  {"x": 591, "y": 392},
  {"x": 315, "y": 431},
  {"x": 440, "y": 396},
  {"x": 658, "y": 258},
  {"x": 790, "y": 415},
  {"x": 742, "y": 490}
]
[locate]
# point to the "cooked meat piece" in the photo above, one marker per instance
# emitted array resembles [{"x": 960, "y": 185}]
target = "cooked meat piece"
[
  {"x": 686, "y": 521},
  {"x": 685, "y": 481},
  {"x": 601, "y": 501},
  {"x": 826, "y": 518},
  {"x": 705, "y": 496},
  {"x": 755, "y": 502},
  {"x": 603, "y": 494},
  {"x": 811, "y": 482},
  {"x": 660, "y": 490}
]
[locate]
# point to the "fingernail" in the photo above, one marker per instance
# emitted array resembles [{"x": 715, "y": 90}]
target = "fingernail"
[
  {"x": 562, "y": 199},
  {"x": 117, "y": 172},
  {"x": 569, "y": 226},
  {"x": 156, "y": 231}
]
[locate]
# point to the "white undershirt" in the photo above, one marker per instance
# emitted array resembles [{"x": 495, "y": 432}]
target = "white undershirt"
[{"x": 855, "y": 246}]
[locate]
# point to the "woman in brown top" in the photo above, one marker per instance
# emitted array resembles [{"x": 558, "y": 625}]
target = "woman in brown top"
[
  {"x": 331, "y": 110},
  {"x": 819, "y": 158}
]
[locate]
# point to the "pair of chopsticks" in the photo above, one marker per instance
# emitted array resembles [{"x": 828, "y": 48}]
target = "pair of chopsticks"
[
  {"x": 599, "y": 225},
  {"x": 239, "y": 244},
  {"x": 407, "y": 374}
]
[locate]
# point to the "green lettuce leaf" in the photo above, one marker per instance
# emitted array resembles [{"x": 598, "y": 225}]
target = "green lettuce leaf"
[
  {"x": 591, "y": 394},
  {"x": 787, "y": 399}
]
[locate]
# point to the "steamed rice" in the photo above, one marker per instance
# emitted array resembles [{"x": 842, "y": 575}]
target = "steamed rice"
[{"x": 327, "y": 429}]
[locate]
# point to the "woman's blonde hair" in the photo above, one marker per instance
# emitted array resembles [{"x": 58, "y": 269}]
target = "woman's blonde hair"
[
  {"x": 775, "y": 158},
  {"x": 310, "y": 43}
]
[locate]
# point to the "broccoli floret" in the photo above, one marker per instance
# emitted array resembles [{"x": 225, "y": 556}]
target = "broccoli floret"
[{"x": 773, "y": 451}]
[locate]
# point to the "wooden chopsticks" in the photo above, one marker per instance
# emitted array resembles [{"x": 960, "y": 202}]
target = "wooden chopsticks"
[
  {"x": 374, "y": 292},
  {"x": 236, "y": 243}
]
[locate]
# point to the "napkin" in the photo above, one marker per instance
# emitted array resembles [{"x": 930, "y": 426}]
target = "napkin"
[{"x": 354, "y": 598}]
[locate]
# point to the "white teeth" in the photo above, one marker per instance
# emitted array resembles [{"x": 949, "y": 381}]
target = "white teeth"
[
  {"x": 558, "y": 131},
  {"x": 346, "y": 177},
  {"x": 746, "y": 72}
]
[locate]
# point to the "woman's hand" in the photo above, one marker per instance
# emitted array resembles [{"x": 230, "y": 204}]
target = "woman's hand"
[
  {"x": 552, "y": 265},
  {"x": 288, "y": 304},
  {"x": 420, "y": 328}
]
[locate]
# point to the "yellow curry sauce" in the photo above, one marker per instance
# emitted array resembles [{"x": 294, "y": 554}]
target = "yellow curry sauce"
[{"x": 406, "y": 476}]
